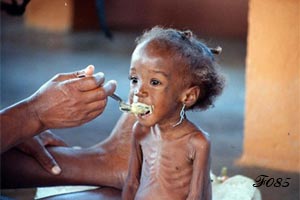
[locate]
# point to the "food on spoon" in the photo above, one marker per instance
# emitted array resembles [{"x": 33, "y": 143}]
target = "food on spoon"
[
  {"x": 136, "y": 108},
  {"x": 125, "y": 107},
  {"x": 141, "y": 108}
]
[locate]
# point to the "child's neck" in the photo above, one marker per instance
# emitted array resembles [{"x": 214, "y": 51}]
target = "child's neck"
[{"x": 168, "y": 131}]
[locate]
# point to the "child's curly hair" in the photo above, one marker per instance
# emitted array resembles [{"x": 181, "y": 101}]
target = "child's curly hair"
[{"x": 199, "y": 65}]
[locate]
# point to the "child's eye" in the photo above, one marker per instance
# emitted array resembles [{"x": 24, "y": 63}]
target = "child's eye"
[
  {"x": 155, "y": 82},
  {"x": 133, "y": 79}
]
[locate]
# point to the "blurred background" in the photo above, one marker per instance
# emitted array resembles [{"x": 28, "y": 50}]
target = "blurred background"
[{"x": 67, "y": 35}]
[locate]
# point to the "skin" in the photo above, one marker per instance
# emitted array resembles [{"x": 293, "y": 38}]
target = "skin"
[
  {"x": 105, "y": 164},
  {"x": 166, "y": 162},
  {"x": 88, "y": 166},
  {"x": 64, "y": 101}
]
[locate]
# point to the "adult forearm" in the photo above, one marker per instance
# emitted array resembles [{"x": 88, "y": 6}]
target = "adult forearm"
[
  {"x": 79, "y": 167},
  {"x": 18, "y": 122},
  {"x": 21, "y": 170},
  {"x": 104, "y": 164}
]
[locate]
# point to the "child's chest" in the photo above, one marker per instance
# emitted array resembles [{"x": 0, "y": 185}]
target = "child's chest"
[{"x": 172, "y": 153}]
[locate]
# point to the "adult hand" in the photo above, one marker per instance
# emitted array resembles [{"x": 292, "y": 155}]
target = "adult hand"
[
  {"x": 67, "y": 100},
  {"x": 36, "y": 147}
]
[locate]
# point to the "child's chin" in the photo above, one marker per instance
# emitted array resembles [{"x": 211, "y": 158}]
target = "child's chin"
[{"x": 145, "y": 120}]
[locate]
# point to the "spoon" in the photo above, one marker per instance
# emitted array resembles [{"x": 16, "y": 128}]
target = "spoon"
[
  {"x": 135, "y": 108},
  {"x": 122, "y": 105}
]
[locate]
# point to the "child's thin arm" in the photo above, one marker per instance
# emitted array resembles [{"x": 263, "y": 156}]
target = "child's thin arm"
[
  {"x": 133, "y": 178},
  {"x": 199, "y": 189}
]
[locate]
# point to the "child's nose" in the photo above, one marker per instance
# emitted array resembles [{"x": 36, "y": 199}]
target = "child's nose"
[{"x": 140, "y": 91}]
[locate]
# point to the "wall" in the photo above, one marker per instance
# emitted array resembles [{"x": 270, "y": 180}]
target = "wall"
[
  {"x": 211, "y": 17},
  {"x": 54, "y": 15},
  {"x": 272, "y": 118}
]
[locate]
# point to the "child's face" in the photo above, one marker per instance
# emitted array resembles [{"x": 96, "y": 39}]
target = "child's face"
[{"x": 156, "y": 82}]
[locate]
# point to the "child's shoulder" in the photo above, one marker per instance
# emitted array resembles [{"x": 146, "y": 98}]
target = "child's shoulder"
[{"x": 199, "y": 138}]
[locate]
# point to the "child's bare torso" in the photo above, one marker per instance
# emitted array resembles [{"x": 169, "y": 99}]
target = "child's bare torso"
[{"x": 167, "y": 166}]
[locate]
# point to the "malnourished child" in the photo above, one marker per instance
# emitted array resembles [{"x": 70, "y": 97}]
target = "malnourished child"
[{"x": 171, "y": 71}]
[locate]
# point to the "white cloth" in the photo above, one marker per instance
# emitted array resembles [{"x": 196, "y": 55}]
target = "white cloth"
[
  {"x": 237, "y": 187},
  {"x": 43, "y": 192}
]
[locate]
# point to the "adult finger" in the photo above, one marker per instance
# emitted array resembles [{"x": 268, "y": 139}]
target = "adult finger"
[
  {"x": 97, "y": 106},
  {"x": 89, "y": 70},
  {"x": 94, "y": 110},
  {"x": 46, "y": 160},
  {"x": 48, "y": 138},
  {"x": 110, "y": 87},
  {"x": 94, "y": 114},
  {"x": 94, "y": 95},
  {"x": 100, "y": 93}
]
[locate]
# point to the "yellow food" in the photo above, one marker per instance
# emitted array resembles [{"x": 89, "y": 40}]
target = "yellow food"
[{"x": 140, "y": 108}]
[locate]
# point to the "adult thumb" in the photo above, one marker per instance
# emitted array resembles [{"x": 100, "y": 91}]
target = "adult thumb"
[{"x": 88, "y": 71}]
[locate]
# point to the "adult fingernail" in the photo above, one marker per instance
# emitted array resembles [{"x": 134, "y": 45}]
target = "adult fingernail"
[
  {"x": 110, "y": 87},
  {"x": 90, "y": 67},
  {"x": 99, "y": 78},
  {"x": 56, "y": 170},
  {"x": 114, "y": 82},
  {"x": 89, "y": 70}
]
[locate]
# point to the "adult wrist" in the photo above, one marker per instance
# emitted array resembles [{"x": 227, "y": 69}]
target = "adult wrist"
[{"x": 33, "y": 111}]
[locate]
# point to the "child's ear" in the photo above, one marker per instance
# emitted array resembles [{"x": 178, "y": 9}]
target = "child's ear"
[{"x": 190, "y": 96}]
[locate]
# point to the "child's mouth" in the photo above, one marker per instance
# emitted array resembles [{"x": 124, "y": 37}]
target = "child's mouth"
[
  {"x": 141, "y": 109},
  {"x": 145, "y": 114}
]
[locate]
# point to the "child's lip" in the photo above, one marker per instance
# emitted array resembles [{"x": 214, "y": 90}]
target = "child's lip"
[{"x": 148, "y": 113}]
